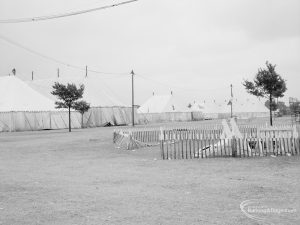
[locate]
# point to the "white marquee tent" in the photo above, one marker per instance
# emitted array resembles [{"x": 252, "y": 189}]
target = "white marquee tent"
[
  {"x": 250, "y": 105},
  {"x": 30, "y": 106},
  {"x": 166, "y": 108},
  {"x": 161, "y": 104},
  {"x": 16, "y": 95},
  {"x": 197, "y": 107}
]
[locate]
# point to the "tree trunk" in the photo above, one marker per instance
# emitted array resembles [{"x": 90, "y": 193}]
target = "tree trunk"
[
  {"x": 271, "y": 119},
  {"x": 81, "y": 120},
  {"x": 69, "y": 119}
]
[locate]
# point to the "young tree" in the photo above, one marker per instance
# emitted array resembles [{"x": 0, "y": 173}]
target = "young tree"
[
  {"x": 267, "y": 83},
  {"x": 82, "y": 107},
  {"x": 68, "y": 94}
]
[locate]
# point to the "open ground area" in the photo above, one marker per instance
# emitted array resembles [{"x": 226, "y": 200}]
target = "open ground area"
[{"x": 56, "y": 177}]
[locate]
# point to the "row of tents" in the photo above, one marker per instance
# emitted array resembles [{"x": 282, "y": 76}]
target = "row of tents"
[{"x": 30, "y": 106}]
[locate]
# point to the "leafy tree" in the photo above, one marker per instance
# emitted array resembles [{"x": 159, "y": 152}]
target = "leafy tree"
[
  {"x": 268, "y": 84},
  {"x": 82, "y": 107},
  {"x": 68, "y": 95}
]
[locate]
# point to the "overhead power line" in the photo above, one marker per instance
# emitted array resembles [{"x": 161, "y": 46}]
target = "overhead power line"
[
  {"x": 61, "y": 15},
  {"x": 179, "y": 88},
  {"x": 12, "y": 42}
]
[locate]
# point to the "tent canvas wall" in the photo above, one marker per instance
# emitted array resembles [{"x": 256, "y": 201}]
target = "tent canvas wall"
[{"x": 40, "y": 120}]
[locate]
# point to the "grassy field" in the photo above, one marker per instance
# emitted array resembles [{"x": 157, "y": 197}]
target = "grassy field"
[{"x": 56, "y": 177}]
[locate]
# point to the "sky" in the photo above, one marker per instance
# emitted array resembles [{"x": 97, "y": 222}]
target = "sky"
[{"x": 194, "y": 48}]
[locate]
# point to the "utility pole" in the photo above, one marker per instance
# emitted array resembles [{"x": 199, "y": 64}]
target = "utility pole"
[
  {"x": 32, "y": 75},
  {"x": 231, "y": 112},
  {"x": 57, "y": 72},
  {"x": 132, "y": 97},
  {"x": 86, "y": 71}
]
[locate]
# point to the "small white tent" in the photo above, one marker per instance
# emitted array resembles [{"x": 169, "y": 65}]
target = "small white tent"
[
  {"x": 250, "y": 105},
  {"x": 16, "y": 95},
  {"x": 161, "y": 104},
  {"x": 216, "y": 107},
  {"x": 196, "y": 107}
]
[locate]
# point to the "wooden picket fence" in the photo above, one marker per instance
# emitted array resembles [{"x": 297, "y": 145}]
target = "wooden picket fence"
[
  {"x": 243, "y": 147},
  {"x": 189, "y": 142},
  {"x": 258, "y": 130},
  {"x": 146, "y": 136},
  {"x": 154, "y": 135}
]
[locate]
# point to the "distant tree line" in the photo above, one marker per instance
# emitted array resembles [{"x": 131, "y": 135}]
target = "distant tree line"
[{"x": 282, "y": 109}]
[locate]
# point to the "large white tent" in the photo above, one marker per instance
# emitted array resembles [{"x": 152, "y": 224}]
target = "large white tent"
[
  {"x": 16, "y": 95},
  {"x": 31, "y": 106}
]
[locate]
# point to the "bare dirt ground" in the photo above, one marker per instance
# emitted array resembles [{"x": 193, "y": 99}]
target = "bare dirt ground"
[{"x": 56, "y": 177}]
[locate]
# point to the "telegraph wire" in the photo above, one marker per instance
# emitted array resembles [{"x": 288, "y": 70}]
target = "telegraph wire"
[
  {"x": 108, "y": 73},
  {"x": 12, "y": 42},
  {"x": 177, "y": 87},
  {"x": 114, "y": 75},
  {"x": 61, "y": 15}
]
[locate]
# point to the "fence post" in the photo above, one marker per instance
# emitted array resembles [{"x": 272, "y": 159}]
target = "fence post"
[
  {"x": 162, "y": 149},
  {"x": 161, "y": 139},
  {"x": 234, "y": 146},
  {"x": 114, "y": 136}
]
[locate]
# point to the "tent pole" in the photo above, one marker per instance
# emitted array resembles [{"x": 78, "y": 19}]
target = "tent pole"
[
  {"x": 231, "y": 112},
  {"x": 132, "y": 97}
]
